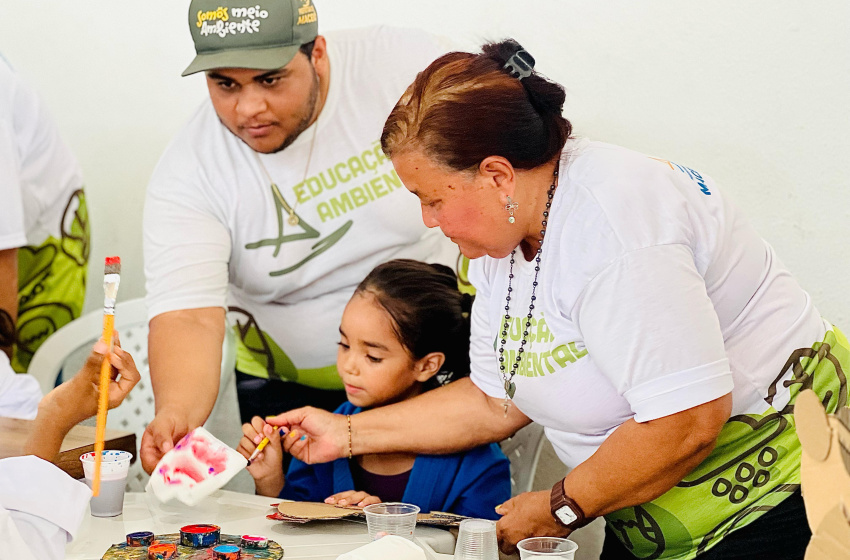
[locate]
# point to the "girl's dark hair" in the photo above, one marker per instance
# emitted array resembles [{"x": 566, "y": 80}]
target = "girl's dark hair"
[
  {"x": 466, "y": 107},
  {"x": 428, "y": 312}
]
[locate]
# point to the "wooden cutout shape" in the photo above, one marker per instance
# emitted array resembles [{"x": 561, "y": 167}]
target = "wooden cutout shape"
[
  {"x": 303, "y": 512},
  {"x": 825, "y": 475},
  {"x": 314, "y": 510},
  {"x": 812, "y": 426},
  {"x": 832, "y": 541}
]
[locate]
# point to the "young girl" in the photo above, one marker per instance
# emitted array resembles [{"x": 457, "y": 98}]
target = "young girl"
[{"x": 404, "y": 331}]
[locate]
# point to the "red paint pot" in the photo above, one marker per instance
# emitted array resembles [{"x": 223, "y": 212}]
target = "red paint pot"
[{"x": 200, "y": 536}]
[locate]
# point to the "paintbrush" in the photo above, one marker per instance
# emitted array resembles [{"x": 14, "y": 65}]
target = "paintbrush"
[
  {"x": 111, "y": 278},
  {"x": 264, "y": 443},
  {"x": 259, "y": 448}
]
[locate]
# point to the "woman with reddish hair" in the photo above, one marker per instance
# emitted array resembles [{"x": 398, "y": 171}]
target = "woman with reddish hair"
[{"x": 623, "y": 303}]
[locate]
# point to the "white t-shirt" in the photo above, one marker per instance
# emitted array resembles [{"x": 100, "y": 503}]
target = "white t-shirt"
[
  {"x": 19, "y": 393},
  {"x": 655, "y": 295},
  {"x": 214, "y": 235},
  {"x": 41, "y": 509},
  {"x": 39, "y": 171},
  {"x": 42, "y": 214}
]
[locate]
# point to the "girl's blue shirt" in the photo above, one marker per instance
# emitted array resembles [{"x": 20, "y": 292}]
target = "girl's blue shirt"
[{"x": 470, "y": 483}]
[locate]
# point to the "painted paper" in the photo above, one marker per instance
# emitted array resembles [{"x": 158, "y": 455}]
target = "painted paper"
[{"x": 196, "y": 467}]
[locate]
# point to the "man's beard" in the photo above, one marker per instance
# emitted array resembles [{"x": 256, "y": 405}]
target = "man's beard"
[{"x": 304, "y": 124}]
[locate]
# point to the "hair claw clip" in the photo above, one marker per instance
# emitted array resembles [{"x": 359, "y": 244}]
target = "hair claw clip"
[{"x": 520, "y": 65}]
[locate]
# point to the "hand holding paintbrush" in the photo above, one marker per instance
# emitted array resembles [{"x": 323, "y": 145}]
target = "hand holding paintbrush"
[
  {"x": 262, "y": 447},
  {"x": 111, "y": 279}
]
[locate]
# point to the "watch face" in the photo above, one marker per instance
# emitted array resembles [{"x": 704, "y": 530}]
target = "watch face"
[{"x": 566, "y": 515}]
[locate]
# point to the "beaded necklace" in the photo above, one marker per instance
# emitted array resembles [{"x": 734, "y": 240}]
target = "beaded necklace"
[{"x": 507, "y": 377}]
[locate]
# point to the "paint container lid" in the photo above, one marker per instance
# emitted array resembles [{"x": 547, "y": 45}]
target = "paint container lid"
[
  {"x": 141, "y": 538},
  {"x": 226, "y": 552},
  {"x": 254, "y": 542},
  {"x": 162, "y": 551}
]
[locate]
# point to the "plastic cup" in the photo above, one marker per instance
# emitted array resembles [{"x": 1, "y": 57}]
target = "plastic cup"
[
  {"x": 541, "y": 548},
  {"x": 476, "y": 540},
  {"x": 391, "y": 518},
  {"x": 114, "y": 467}
]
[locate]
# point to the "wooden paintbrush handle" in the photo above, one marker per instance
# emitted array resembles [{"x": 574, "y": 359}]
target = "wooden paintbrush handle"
[{"x": 102, "y": 401}]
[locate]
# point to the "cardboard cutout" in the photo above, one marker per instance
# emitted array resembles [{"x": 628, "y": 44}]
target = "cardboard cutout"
[{"x": 825, "y": 473}]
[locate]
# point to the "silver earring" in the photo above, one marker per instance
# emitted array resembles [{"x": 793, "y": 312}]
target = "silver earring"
[{"x": 510, "y": 207}]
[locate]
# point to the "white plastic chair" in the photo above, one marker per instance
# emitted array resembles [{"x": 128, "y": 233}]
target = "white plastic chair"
[
  {"x": 523, "y": 451},
  {"x": 67, "y": 349}
]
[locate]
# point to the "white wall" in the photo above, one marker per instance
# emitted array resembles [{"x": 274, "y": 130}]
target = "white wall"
[{"x": 752, "y": 93}]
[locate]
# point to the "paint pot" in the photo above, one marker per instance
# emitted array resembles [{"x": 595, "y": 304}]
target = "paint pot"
[
  {"x": 226, "y": 552},
  {"x": 142, "y": 538},
  {"x": 162, "y": 551},
  {"x": 200, "y": 536},
  {"x": 254, "y": 542}
]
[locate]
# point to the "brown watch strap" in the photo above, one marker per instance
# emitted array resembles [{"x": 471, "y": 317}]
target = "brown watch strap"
[{"x": 558, "y": 499}]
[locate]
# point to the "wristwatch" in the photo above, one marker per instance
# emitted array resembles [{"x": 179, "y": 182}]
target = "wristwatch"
[{"x": 565, "y": 510}]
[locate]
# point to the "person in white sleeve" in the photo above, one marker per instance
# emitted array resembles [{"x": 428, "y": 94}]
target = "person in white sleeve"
[
  {"x": 271, "y": 205},
  {"x": 44, "y": 225},
  {"x": 41, "y": 507},
  {"x": 623, "y": 303}
]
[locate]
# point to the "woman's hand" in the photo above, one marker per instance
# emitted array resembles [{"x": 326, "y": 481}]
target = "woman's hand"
[
  {"x": 353, "y": 498},
  {"x": 527, "y": 515},
  {"x": 316, "y": 436},
  {"x": 267, "y": 467}
]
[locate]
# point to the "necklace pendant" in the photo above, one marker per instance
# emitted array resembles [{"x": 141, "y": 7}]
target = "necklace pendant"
[
  {"x": 510, "y": 389},
  {"x": 292, "y": 219},
  {"x": 506, "y": 404}
]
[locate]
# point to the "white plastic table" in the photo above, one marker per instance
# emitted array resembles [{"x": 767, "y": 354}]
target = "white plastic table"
[{"x": 236, "y": 514}]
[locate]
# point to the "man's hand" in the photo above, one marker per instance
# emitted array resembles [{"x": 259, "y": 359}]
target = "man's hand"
[
  {"x": 316, "y": 436},
  {"x": 527, "y": 515},
  {"x": 166, "y": 428},
  {"x": 267, "y": 466}
]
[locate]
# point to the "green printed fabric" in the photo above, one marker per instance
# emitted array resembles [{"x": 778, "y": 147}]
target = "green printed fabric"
[
  {"x": 257, "y": 354},
  {"x": 755, "y": 465},
  {"x": 52, "y": 281}
]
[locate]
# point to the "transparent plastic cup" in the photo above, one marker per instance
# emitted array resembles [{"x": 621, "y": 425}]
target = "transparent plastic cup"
[
  {"x": 541, "y": 548},
  {"x": 114, "y": 467},
  {"x": 391, "y": 518},
  {"x": 476, "y": 540}
]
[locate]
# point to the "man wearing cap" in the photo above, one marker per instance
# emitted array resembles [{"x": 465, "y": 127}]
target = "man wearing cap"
[{"x": 271, "y": 205}]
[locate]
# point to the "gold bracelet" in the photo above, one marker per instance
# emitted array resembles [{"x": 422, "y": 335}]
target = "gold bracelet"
[{"x": 348, "y": 416}]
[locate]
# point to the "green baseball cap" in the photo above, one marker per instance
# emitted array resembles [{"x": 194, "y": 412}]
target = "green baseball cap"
[{"x": 258, "y": 34}]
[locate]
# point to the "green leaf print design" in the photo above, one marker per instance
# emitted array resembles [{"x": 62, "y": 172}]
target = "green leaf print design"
[
  {"x": 52, "y": 281},
  {"x": 753, "y": 467},
  {"x": 259, "y": 355}
]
